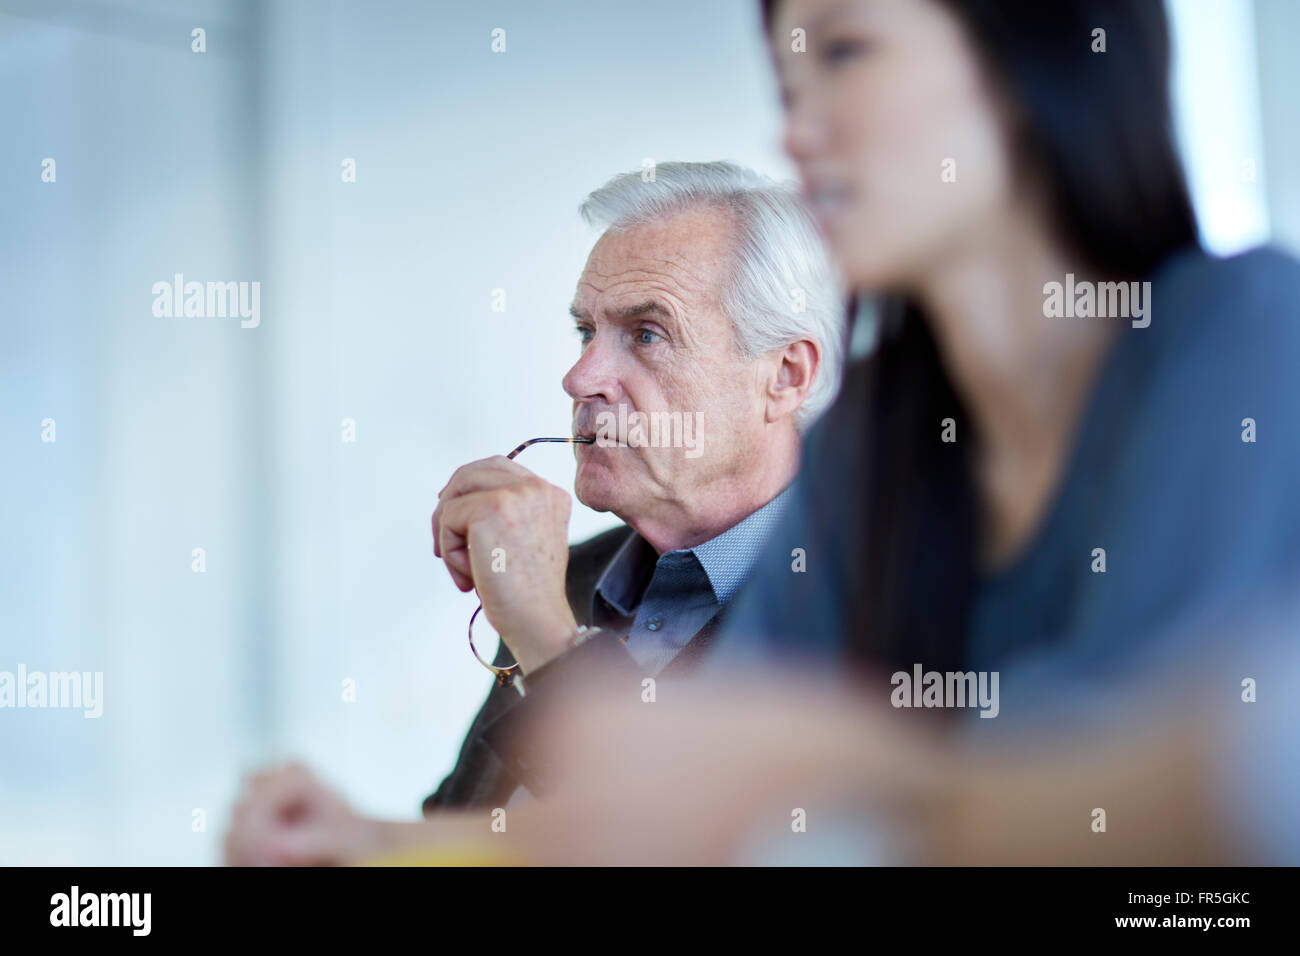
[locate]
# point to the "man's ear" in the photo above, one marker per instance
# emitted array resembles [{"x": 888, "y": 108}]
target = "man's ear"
[{"x": 796, "y": 369}]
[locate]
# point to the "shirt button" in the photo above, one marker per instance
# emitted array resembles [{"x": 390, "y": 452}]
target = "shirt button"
[{"x": 653, "y": 623}]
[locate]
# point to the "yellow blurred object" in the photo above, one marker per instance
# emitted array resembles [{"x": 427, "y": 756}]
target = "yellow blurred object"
[{"x": 466, "y": 854}]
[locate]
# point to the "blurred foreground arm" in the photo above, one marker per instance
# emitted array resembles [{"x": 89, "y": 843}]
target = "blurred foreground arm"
[{"x": 705, "y": 779}]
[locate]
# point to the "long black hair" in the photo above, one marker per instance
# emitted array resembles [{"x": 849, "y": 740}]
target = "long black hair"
[{"x": 1094, "y": 130}]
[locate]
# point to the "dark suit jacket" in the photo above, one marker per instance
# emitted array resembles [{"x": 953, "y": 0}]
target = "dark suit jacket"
[{"x": 492, "y": 760}]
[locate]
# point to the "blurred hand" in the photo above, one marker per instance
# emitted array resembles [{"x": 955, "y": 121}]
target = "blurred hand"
[
  {"x": 705, "y": 773},
  {"x": 503, "y": 530},
  {"x": 286, "y": 817}
]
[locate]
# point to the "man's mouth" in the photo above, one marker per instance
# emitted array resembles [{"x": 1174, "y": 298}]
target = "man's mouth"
[{"x": 584, "y": 426}]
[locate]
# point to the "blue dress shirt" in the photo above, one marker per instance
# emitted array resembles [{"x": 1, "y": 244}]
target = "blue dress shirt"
[{"x": 661, "y": 602}]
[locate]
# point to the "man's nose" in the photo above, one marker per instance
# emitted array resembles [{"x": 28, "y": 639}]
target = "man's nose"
[{"x": 593, "y": 377}]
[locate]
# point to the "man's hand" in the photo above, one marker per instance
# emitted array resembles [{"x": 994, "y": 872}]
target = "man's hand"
[
  {"x": 285, "y": 817},
  {"x": 503, "y": 530}
]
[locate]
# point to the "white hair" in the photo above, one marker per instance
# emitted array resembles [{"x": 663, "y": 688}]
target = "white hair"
[{"x": 782, "y": 287}]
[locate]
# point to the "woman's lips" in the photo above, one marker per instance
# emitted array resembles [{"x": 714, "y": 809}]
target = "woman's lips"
[{"x": 828, "y": 201}]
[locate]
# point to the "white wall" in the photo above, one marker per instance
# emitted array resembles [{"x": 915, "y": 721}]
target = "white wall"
[
  {"x": 175, "y": 434},
  {"x": 1216, "y": 82},
  {"x": 1277, "y": 29}
]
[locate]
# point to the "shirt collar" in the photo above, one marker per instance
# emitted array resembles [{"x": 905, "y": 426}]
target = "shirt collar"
[
  {"x": 625, "y": 578},
  {"x": 726, "y": 559}
]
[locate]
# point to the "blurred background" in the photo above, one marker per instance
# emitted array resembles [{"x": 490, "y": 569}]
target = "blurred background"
[{"x": 321, "y": 626}]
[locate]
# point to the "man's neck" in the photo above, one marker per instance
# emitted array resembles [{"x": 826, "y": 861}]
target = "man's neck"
[{"x": 723, "y": 505}]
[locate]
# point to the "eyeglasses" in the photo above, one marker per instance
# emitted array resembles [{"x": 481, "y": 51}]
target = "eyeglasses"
[{"x": 509, "y": 676}]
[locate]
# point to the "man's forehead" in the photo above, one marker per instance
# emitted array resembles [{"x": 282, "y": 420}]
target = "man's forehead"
[
  {"x": 627, "y": 275},
  {"x": 678, "y": 258}
]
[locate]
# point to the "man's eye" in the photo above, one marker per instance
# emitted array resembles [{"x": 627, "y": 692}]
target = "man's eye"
[
  {"x": 584, "y": 334},
  {"x": 647, "y": 337}
]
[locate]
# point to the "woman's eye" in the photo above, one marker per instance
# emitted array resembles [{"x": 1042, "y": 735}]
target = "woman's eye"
[{"x": 841, "y": 51}]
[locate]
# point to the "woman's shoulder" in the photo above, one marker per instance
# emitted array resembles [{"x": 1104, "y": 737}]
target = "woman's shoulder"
[
  {"x": 1233, "y": 320},
  {"x": 1251, "y": 291},
  {"x": 1262, "y": 263}
]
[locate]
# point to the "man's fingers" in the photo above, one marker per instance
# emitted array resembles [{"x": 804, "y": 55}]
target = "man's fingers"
[
  {"x": 458, "y": 566},
  {"x": 482, "y": 475},
  {"x": 473, "y": 491},
  {"x": 455, "y": 554},
  {"x": 459, "y": 515}
]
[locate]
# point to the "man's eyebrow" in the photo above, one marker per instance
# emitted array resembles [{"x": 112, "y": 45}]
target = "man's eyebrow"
[{"x": 648, "y": 307}]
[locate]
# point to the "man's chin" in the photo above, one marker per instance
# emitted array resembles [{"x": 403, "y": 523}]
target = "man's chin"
[{"x": 594, "y": 485}]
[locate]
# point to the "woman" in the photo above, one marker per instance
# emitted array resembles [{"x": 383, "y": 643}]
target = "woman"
[{"x": 1001, "y": 486}]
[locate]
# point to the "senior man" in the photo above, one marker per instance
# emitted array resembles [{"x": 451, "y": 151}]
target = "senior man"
[{"x": 707, "y": 300}]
